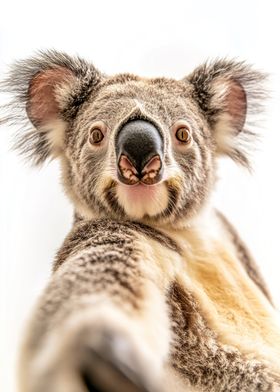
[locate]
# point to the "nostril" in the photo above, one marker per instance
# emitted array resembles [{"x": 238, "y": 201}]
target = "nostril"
[
  {"x": 127, "y": 170},
  {"x": 154, "y": 165},
  {"x": 125, "y": 164},
  {"x": 152, "y": 172}
]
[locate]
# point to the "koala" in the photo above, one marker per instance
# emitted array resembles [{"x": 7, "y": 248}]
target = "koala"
[{"x": 152, "y": 289}]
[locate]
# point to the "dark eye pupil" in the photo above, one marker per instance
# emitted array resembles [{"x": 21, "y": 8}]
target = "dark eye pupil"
[
  {"x": 182, "y": 134},
  {"x": 96, "y": 136}
]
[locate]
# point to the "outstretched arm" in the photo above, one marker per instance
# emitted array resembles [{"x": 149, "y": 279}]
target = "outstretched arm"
[
  {"x": 101, "y": 318},
  {"x": 118, "y": 316}
]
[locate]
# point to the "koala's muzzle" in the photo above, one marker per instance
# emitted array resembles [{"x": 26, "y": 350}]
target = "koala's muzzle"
[{"x": 139, "y": 150}]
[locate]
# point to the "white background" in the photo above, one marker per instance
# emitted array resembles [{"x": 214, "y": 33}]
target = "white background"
[{"x": 149, "y": 38}]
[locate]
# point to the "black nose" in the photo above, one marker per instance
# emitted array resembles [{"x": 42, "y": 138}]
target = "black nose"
[{"x": 139, "y": 148}]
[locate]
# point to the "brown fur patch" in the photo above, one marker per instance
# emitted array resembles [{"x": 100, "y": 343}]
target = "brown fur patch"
[
  {"x": 245, "y": 257},
  {"x": 101, "y": 232},
  {"x": 198, "y": 356}
]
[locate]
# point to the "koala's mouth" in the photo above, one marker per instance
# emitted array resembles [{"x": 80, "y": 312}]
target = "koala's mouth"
[
  {"x": 158, "y": 201},
  {"x": 139, "y": 192},
  {"x": 142, "y": 200}
]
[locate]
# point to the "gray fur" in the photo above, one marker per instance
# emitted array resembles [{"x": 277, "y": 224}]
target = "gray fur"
[
  {"x": 110, "y": 263},
  {"x": 212, "y": 366},
  {"x": 29, "y": 142},
  {"x": 112, "y": 99},
  {"x": 253, "y": 83},
  {"x": 245, "y": 257}
]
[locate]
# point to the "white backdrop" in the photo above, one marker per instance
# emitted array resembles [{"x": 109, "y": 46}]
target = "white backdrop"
[{"x": 150, "y": 38}]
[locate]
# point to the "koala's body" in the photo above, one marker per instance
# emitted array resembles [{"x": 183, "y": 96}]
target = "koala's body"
[{"x": 153, "y": 289}]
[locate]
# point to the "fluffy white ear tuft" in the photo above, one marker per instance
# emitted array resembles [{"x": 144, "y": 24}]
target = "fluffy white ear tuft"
[
  {"x": 49, "y": 88},
  {"x": 43, "y": 105},
  {"x": 230, "y": 94},
  {"x": 232, "y": 100}
]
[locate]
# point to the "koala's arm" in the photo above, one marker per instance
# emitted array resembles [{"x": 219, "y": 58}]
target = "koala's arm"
[
  {"x": 115, "y": 318},
  {"x": 101, "y": 320}
]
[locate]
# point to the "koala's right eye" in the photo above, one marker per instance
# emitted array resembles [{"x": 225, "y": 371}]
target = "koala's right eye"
[
  {"x": 97, "y": 133},
  {"x": 96, "y": 136}
]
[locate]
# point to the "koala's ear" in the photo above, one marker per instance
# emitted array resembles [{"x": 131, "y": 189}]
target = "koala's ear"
[
  {"x": 47, "y": 91},
  {"x": 230, "y": 94}
]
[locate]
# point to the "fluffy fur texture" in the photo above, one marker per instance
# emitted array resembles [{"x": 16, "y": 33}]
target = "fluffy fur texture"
[
  {"x": 152, "y": 290},
  {"x": 64, "y": 96}
]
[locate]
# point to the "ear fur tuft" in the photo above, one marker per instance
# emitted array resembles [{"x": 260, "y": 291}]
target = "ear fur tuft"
[
  {"x": 230, "y": 94},
  {"x": 46, "y": 91}
]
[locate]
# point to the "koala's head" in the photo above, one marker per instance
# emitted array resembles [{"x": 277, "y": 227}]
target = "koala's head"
[{"x": 133, "y": 147}]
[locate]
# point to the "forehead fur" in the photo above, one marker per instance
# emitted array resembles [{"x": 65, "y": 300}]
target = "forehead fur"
[
  {"x": 126, "y": 95},
  {"x": 131, "y": 84}
]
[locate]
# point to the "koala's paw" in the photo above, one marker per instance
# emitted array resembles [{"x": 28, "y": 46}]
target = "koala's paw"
[
  {"x": 276, "y": 382},
  {"x": 97, "y": 356},
  {"x": 276, "y": 386},
  {"x": 111, "y": 365},
  {"x": 120, "y": 355}
]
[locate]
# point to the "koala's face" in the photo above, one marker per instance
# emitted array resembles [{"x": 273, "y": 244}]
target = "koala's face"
[
  {"x": 138, "y": 148},
  {"x": 131, "y": 147}
]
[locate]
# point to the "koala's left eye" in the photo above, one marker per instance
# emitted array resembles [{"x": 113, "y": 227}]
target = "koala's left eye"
[{"x": 183, "y": 134}]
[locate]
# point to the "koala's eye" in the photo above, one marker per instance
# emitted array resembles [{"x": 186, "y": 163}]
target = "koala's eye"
[
  {"x": 183, "y": 134},
  {"x": 97, "y": 133},
  {"x": 96, "y": 136}
]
